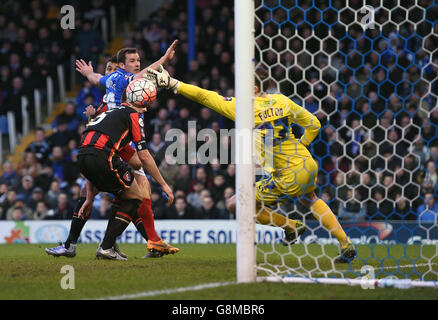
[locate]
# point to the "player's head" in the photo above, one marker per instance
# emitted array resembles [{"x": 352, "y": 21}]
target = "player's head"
[
  {"x": 261, "y": 84},
  {"x": 129, "y": 60},
  {"x": 111, "y": 65}
]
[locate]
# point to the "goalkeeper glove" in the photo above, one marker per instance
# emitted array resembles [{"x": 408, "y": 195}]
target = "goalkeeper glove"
[{"x": 162, "y": 79}]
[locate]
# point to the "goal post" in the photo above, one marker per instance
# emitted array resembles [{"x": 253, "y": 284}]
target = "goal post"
[
  {"x": 245, "y": 194},
  {"x": 367, "y": 69}
]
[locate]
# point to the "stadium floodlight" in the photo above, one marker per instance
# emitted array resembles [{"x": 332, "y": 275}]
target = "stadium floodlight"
[{"x": 367, "y": 70}]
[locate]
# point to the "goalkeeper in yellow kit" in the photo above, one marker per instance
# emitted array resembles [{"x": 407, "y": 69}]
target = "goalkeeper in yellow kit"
[{"x": 294, "y": 171}]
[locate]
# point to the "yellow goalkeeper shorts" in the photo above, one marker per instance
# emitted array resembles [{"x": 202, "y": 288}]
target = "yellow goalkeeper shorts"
[{"x": 297, "y": 180}]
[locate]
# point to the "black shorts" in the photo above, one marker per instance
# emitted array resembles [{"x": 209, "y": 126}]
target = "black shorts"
[{"x": 108, "y": 174}]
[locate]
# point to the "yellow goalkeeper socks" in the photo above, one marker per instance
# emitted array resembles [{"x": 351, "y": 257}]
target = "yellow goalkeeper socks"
[
  {"x": 268, "y": 217},
  {"x": 322, "y": 212}
]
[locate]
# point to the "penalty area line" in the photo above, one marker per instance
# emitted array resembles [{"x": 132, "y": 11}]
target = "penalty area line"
[{"x": 168, "y": 291}]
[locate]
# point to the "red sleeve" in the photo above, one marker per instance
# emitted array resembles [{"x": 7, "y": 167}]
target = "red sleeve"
[{"x": 126, "y": 153}]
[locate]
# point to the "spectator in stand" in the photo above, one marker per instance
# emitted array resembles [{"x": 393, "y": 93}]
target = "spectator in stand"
[
  {"x": 89, "y": 43},
  {"x": 40, "y": 147},
  {"x": 202, "y": 177},
  {"x": 218, "y": 188},
  {"x": 42, "y": 212},
  {"x": 13, "y": 102},
  {"x": 61, "y": 136},
  {"x": 230, "y": 176},
  {"x": 37, "y": 196},
  {"x": 8, "y": 203},
  {"x": 157, "y": 148},
  {"x": 168, "y": 171},
  {"x": 75, "y": 193},
  {"x": 181, "y": 210},
  {"x": 194, "y": 197},
  {"x": 57, "y": 162},
  {"x": 183, "y": 178},
  {"x": 19, "y": 205},
  {"x": 17, "y": 214},
  {"x": 208, "y": 210},
  {"x": 428, "y": 211},
  {"x": 3, "y": 193},
  {"x": 44, "y": 179},
  {"x": 352, "y": 210},
  {"x": 87, "y": 91},
  {"x": 29, "y": 165},
  {"x": 63, "y": 211},
  {"x": 160, "y": 121},
  {"x": 69, "y": 117},
  {"x": 182, "y": 121},
  {"x": 104, "y": 209},
  {"x": 25, "y": 189},
  {"x": 52, "y": 194},
  {"x": 172, "y": 112},
  {"x": 9, "y": 176}
]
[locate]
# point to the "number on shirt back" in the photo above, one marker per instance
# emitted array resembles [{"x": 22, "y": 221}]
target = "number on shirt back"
[{"x": 99, "y": 118}]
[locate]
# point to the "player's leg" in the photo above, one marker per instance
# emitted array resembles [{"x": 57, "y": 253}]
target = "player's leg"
[
  {"x": 265, "y": 215},
  {"x": 155, "y": 245},
  {"x": 320, "y": 210},
  {"x": 68, "y": 249},
  {"x": 122, "y": 210}
]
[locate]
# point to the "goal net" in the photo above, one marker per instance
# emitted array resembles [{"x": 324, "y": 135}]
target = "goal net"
[{"x": 368, "y": 71}]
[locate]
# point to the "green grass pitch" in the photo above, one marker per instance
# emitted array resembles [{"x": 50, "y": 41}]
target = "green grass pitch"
[{"x": 27, "y": 272}]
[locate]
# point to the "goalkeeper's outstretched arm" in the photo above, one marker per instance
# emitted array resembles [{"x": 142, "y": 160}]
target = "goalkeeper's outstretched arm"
[{"x": 210, "y": 99}]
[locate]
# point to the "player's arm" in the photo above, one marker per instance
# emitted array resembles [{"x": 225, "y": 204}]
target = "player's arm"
[
  {"x": 92, "y": 191},
  {"x": 210, "y": 99},
  {"x": 170, "y": 52},
  {"x": 306, "y": 120},
  {"x": 147, "y": 161},
  {"x": 87, "y": 71},
  {"x": 150, "y": 166}
]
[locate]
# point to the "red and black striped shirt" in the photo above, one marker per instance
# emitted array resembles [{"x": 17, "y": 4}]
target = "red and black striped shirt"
[{"x": 112, "y": 130}]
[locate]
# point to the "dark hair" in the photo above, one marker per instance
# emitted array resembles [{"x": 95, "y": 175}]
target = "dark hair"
[
  {"x": 112, "y": 59},
  {"x": 260, "y": 78},
  {"x": 121, "y": 55}
]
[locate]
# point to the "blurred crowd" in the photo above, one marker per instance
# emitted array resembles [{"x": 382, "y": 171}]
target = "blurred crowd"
[{"x": 377, "y": 149}]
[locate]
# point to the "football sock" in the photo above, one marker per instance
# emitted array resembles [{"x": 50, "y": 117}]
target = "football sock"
[
  {"x": 322, "y": 212},
  {"x": 139, "y": 225},
  {"x": 268, "y": 217},
  {"x": 77, "y": 224},
  {"x": 115, "y": 229},
  {"x": 147, "y": 216},
  {"x": 122, "y": 217}
]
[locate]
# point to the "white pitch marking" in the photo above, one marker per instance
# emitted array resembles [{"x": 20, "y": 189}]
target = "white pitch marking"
[{"x": 168, "y": 291}]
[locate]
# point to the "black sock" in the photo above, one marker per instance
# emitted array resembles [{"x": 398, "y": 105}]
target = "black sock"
[
  {"x": 122, "y": 213},
  {"x": 139, "y": 225},
  {"x": 114, "y": 230},
  {"x": 77, "y": 224}
]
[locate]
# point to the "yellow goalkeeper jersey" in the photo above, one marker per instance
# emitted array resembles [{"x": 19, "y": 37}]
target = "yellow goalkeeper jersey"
[{"x": 273, "y": 119}]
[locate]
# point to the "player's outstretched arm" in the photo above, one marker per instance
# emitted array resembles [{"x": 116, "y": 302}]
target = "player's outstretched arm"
[
  {"x": 210, "y": 99},
  {"x": 151, "y": 167},
  {"x": 87, "y": 71},
  {"x": 170, "y": 52}
]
